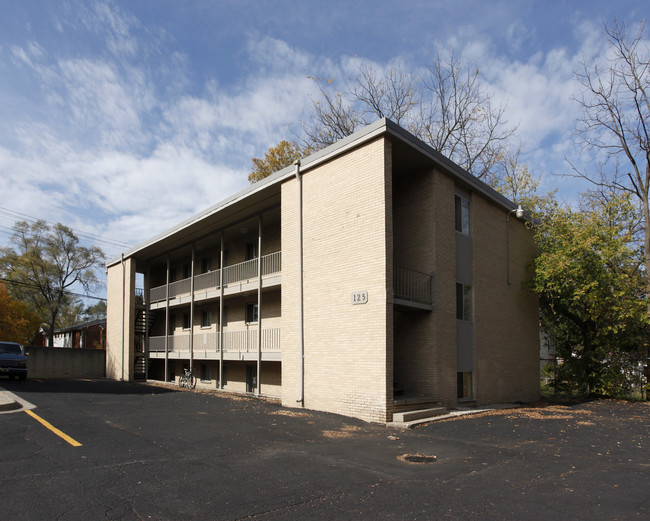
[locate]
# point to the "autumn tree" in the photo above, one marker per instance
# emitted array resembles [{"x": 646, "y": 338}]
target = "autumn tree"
[
  {"x": 45, "y": 265},
  {"x": 276, "y": 158},
  {"x": 615, "y": 123},
  {"x": 590, "y": 282},
  {"x": 17, "y": 322}
]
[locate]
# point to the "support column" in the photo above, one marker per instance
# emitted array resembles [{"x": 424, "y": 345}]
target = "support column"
[
  {"x": 221, "y": 278},
  {"x": 167, "y": 321},
  {"x": 192, "y": 312},
  {"x": 259, "y": 306}
]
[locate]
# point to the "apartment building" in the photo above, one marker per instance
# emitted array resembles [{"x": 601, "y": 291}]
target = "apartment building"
[{"x": 375, "y": 276}]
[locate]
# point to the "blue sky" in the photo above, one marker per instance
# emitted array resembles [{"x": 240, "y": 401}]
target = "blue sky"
[{"x": 122, "y": 118}]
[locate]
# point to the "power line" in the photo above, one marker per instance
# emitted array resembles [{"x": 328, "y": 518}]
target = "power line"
[
  {"x": 34, "y": 286},
  {"x": 91, "y": 236}
]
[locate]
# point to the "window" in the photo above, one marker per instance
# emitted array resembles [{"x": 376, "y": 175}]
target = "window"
[
  {"x": 205, "y": 373},
  {"x": 251, "y": 251},
  {"x": 172, "y": 324},
  {"x": 206, "y": 265},
  {"x": 464, "y": 385},
  {"x": 172, "y": 275},
  {"x": 187, "y": 271},
  {"x": 251, "y": 313},
  {"x": 186, "y": 320},
  {"x": 206, "y": 318},
  {"x": 462, "y": 215},
  {"x": 463, "y": 302}
]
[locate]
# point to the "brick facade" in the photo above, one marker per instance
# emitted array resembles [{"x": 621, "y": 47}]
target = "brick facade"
[{"x": 377, "y": 204}]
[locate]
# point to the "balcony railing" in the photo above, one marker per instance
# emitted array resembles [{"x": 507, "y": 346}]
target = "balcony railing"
[
  {"x": 413, "y": 286},
  {"x": 233, "y": 341},
  {"x": 271, "y": 263}
]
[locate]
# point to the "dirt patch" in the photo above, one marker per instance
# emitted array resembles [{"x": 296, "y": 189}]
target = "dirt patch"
[
  {"x": 293, "y": 414},
  {"x": 347, "y": 431}
]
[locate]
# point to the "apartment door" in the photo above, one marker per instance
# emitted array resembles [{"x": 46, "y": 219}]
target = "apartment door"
[{"x": 251, "y": 378}]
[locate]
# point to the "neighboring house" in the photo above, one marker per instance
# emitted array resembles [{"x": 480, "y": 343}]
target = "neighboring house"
[
  {"x": 390, "y": 278},
  {"x": 88, "y": 335}
]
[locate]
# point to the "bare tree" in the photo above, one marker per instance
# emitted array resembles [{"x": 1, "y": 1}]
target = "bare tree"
[
  {"x": 446, "y": 107},
  {"x": 616, "y": 119}
]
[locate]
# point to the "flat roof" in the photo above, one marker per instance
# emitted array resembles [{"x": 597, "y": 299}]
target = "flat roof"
[{"x": 378, "y": 128}]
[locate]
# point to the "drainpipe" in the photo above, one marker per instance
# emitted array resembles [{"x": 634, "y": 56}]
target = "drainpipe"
[
  {"x": 301, "y": 334},
  {"x": 259, "y": 306},
  {"x": 123, "y": 314}
]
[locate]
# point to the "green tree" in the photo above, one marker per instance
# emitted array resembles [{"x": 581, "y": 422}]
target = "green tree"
[
  {"x": 275, "y": 159},
  {"x": 616, "y": 120},
  {"x": 44, "y": 266},
  {"x": 17, "y": 322},
  {"x": 590, "y": 282}
]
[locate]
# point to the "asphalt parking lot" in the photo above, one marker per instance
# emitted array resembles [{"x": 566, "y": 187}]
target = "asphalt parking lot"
[{"x": 147, "y": 452}]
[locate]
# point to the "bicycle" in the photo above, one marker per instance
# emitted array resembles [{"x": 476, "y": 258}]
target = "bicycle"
[{"x": 187, "y": 379}]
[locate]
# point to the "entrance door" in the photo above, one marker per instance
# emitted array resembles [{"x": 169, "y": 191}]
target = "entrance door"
[{"x": 251, "y": 378}]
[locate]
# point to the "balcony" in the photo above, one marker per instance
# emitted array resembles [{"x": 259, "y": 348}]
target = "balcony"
[
  {"x": 236, "y": 278},
  {"x": 413, "y": 289},
  {"x": 237, "y": 345}
]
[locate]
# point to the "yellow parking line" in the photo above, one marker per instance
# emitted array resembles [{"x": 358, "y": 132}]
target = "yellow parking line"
[{"x": 56, "y": 431}]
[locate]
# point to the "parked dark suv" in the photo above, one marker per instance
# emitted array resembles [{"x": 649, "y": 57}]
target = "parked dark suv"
[{"x": 13, "y": 362}]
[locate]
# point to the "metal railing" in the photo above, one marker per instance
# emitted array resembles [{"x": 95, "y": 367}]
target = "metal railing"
[
  {"x": 207, "y": 280},
  {"x": 233, "y": 341},
  {"x": 412, "y": 285},
  {"x": 271, "y": 263}
]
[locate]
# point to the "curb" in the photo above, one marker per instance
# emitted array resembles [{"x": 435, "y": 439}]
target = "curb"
[{"x": 7, "y": 402}]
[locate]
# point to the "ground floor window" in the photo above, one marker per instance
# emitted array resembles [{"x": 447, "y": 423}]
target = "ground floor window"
[
  {"x": 206, "y": 375},
  {"x": 465, "y": 390}
]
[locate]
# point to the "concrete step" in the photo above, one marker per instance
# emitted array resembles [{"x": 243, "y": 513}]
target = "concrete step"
[{"x": 407, "y": 416}]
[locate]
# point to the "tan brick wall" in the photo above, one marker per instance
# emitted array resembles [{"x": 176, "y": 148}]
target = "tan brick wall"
[
  {"x": 119, "y": 349},
  {"x": 345, "y": 250},
  {"x": 506, "y": 318},
  {"x": 424, "y": 238}
]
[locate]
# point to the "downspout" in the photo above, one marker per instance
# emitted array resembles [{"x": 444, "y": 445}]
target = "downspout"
[
  {"x": 259, "y": 306},
  {"x": 301, "y": 318},
  {"x": 123, "y": 313}
]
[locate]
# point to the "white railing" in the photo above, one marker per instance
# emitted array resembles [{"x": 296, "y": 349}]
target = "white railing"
[
  {"x": 208, "y": 280},
  {"x": 233, "y": 341},
  {"x": 158, "y": 293},
  {"x": 180, "y": 287},
  {"x": 247, "y": 270},
  {"x": 272, "y": 263},
  {"x": 412, "y": 285},
  {"x": 243, "y": 271}
]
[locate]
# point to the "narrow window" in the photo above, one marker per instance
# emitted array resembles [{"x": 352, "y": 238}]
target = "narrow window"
[
  {"x": 206, "y": 318},
  {"x": 187, "y": 271},
  {"x": 186, "y": 320},
  {"x": 464, "y": 388},
  {"x": 172, "y": 324},
  {"x": 172, "y": 275},
  {"x": 463, "y": 302},
  {"x": 251, "y": 313},
  {"x": 206, "y": 265},
  {"x": 462, "y": 215},
  {"x": 205, "y": 373},
  {"x": 251, "y": 251}
]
